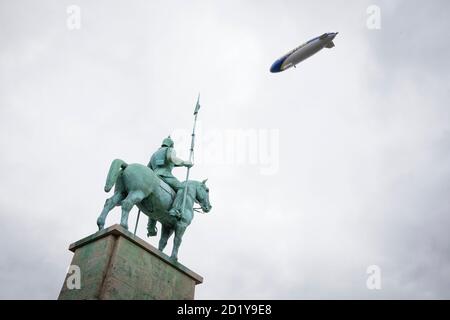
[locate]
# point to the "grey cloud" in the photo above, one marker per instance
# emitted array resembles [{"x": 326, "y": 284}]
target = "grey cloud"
[{"x": 363, "y": 154}]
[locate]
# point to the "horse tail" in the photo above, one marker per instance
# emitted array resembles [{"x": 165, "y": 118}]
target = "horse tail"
[{"x": 116, "y": 166}]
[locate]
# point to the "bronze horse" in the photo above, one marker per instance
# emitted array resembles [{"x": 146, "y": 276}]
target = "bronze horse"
[{"x": 136, "y": 184}]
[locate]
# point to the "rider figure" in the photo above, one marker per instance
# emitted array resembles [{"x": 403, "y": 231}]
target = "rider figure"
[{"x": 162, "y": 162}]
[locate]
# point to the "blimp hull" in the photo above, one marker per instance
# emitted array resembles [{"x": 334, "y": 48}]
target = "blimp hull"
[
  {"x": 301, "y": 55},
  {"x": 303, "y": 52}
]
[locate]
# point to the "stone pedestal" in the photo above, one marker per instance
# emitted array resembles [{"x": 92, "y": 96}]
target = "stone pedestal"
[{"x": 115, "y": 264}]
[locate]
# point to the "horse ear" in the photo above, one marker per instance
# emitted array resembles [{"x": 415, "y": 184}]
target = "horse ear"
[{"x": 204, "y": 181}]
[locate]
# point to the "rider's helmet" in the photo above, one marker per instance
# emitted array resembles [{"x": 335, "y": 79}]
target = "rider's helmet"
[{"x": 167, "y": 142}]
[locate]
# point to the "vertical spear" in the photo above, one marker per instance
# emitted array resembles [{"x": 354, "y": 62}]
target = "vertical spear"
[
  {"x": 191, "y": 152},
  {"x": 137, "y": 221}
]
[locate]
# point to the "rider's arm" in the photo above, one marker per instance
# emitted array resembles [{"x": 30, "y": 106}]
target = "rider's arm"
[{"x": 171, "y": 156}]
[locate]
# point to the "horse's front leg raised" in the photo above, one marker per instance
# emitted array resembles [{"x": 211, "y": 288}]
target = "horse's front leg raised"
[
  {"x": 109, "y": 205},
  {"x": 133, "y": 198},
  {"x": 179, "y": 232}
]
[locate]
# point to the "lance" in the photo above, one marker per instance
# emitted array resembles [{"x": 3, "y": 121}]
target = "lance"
[
  {"x": 137, "y": 221},
  {"x": 191, "y": 152}
]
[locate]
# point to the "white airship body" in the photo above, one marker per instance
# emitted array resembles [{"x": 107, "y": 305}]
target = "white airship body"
[{"x": 303, "y": 52}]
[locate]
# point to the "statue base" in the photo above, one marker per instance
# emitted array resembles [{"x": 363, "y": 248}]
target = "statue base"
[{"x": 115, "y": 264}]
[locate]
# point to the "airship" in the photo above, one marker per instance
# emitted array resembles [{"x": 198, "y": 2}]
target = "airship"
[{"x": 303, "y": 52}]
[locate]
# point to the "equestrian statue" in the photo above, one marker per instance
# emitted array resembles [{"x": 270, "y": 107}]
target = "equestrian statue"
[{"x": 157, "y": 193}]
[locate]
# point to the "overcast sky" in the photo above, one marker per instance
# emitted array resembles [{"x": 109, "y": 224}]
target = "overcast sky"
[{"x": 315, "y": 173}]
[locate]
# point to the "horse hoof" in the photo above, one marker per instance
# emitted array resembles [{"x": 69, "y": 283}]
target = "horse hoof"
[
  {"x": 151, "y": 233},
  {"x": 100, "y": 226}
]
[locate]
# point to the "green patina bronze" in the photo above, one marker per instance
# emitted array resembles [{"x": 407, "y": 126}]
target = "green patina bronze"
[
  {"x": 157, "y": 192},
  {"x": 162, "y": 162},
  {"x": 136, "y": 184}
]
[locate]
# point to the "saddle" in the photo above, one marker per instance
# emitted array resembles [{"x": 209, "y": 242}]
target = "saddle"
[
  {"x": 163, "y": 185},
  {"x": 147, "y": 205}
]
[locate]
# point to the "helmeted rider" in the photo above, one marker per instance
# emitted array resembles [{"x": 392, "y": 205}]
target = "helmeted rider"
[{"x": 162, "y": 162}]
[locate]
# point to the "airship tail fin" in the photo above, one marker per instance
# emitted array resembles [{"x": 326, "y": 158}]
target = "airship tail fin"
[{"x": 329, "y": 45}]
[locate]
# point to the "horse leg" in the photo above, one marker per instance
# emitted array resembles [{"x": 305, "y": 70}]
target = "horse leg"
[
  {"x": 151, "y": 228},
  {"x": 133, "y": 198},
  {"x": 109, "y": 205},
  {"x": 179, "y": 232},
  {"x": 166, "y": 232}
]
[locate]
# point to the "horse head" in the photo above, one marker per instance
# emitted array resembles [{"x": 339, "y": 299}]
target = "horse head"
[{"x": 202, "y": 196}]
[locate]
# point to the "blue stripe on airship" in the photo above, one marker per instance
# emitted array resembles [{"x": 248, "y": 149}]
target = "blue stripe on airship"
[{"x": 276, "y": 66}]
